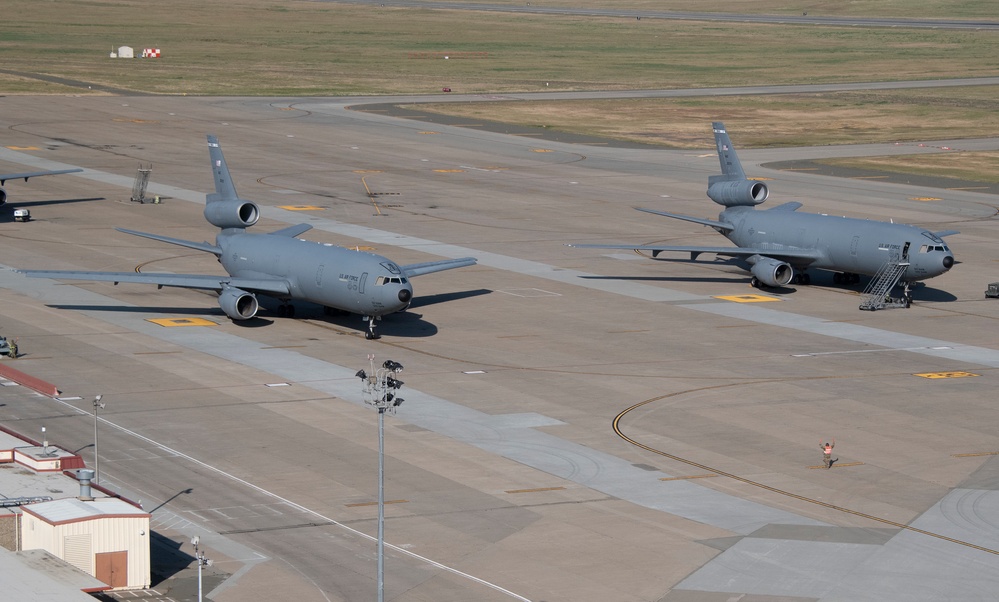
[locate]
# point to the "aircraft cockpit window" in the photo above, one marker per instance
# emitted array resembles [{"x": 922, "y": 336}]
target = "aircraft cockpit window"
[
  {"x": 391, "y": 267},
  {"x": 923, "y": 248},
  {"x": 380, "y": 281}
]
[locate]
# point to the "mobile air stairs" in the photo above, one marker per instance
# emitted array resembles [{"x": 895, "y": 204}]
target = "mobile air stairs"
[{"x": 877, "y": 295}]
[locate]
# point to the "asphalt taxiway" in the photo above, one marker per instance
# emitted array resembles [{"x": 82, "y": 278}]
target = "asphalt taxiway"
[{"x": 578, "y": 425}]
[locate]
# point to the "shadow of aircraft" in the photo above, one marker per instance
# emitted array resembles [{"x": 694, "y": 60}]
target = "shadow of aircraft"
[{"x": 426, "y": 300}]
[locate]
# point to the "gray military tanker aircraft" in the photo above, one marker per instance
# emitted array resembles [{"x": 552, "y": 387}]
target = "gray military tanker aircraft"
[
  {"x": 777, "y": 245},
  {"x": 278, "y": 264}
]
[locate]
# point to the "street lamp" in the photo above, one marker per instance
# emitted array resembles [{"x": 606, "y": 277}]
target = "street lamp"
[
  {"x": 202, "y": 561},
  {"x": 97, "y": 461},
  {"x": 379, "y": 391}
]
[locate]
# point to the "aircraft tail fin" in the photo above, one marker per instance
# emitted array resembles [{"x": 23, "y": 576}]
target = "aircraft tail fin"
[
  {"x": 730, "y": 165},
  {"x": 224, "y": 188},
  {"x": 224, "y": 208},
  {"x": 732, "y": 188}
]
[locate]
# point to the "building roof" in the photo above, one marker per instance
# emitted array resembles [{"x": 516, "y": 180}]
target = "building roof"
[
  {"x": 37, "y": 576},
  {"x": 73, "y": 509}
]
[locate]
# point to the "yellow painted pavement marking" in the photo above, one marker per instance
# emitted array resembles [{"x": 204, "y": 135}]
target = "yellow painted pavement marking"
[
  {"x": 541, "y": 150},
  {"x": 747, "y": 298},
  {"x": 301, "y": 208},
  {"x": 838, "y": 465},
  {"x": 924, "y": 198},
  {"x": 168, "y": 322},
  {"x": 995, "y": 453},
  {"x": 449, "y": 170},
  {"x": 946, "y": 374},
  {"x": 20, "y": 148}
]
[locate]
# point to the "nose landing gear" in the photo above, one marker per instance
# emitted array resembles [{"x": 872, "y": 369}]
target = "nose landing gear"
[{"x": 370, "y": 334}]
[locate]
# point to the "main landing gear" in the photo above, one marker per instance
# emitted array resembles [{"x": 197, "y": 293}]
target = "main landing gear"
[
  {"x": 286, "y": 310},
  {"x": 846, "y": 278}
]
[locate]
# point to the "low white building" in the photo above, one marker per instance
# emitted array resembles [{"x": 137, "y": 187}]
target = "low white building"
[
  {"x": 104, "y": 537},
  {"x": 126, "y": 52}
]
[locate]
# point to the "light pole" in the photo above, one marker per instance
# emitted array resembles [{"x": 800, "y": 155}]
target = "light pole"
[
  {"x": 378, "y": 392},
  {"x": 202, "y": 561},
  {"x": 97, "y": 461}
]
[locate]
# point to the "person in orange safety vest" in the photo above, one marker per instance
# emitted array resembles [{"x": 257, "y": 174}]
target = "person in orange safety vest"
[{"x": 827, "y": 452}]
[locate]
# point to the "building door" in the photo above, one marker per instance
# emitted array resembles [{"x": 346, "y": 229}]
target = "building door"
[{"x": 112, "y": 568}]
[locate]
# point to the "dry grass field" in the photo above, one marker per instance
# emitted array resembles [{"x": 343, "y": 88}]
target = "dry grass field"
[{"x": 303, "y": 48}]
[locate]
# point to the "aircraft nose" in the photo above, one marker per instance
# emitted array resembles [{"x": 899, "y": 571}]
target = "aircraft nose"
[
  {"x": 405, "y": 295},
  {"x": 948, "y": 262}
]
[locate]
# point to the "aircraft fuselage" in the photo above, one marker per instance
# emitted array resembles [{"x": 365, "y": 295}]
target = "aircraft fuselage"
[
  {"x": 844, "y": 244},
  {"x": 331, "y": 276}
]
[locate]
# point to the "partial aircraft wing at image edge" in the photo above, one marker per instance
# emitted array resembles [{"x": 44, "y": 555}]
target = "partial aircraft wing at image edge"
[{"x": 29, "y": 174}]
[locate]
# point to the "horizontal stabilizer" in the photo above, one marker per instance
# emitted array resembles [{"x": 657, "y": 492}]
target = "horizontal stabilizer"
[
  {"x": 704, "y": 222},
  {"x": 789, "y": 206},
  {"x": 193, "y": 281},
  {"x": 200, "y": 246},
  {"x": 419, "y": 269},
  {"x": 291, "y": 231}
]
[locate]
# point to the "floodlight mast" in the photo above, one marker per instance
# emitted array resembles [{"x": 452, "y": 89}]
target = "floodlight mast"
[
  {"x": 97, "y": 461},
  {"x": 378, "y": 392},
  {"x": 202, "y": 561}
]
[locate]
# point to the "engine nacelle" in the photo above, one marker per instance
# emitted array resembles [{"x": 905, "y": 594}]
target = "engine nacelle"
[
  {"x": 235, "y": 213},
  {"x": 238, "y": 304},
  {"x": 735, "y": 193},
  {"x": 772, "y": 272},
  {"x": 3, "y": 196}
]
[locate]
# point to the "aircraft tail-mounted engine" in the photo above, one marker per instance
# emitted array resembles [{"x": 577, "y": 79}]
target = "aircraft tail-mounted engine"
[
  {"x": 3, "y": 196},
  {"x": 771, "y": 272},
  {"x": 238, "y": 304},
  {"x": 232, "y": 213},
  {"x": 736, "y": 193}
]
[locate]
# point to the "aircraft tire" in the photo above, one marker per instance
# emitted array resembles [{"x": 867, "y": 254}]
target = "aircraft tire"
[{"x": 755, "y": 282}]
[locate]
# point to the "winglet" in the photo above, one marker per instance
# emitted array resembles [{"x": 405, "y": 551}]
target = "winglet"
[{"x": 224, "y": 188}]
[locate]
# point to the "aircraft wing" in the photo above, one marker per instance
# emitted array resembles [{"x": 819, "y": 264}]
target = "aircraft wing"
[
  {"x": 944, "y": 233},
  {"x": 419, "y": 269},
  {"x": 796, "y": 257},
  {"x": 200, "y": 246},
  {"x": 194, "y": 281},
  {"x": 704, "y": 222},
  {"x": 33, "y": 174}
]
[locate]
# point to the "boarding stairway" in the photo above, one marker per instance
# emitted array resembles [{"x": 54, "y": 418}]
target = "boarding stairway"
[
  {"x": 877, "y": 295},
  {"x": 141, "y": 182}
]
